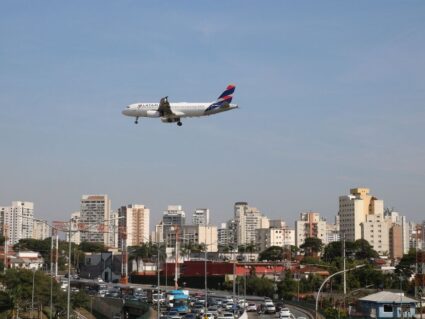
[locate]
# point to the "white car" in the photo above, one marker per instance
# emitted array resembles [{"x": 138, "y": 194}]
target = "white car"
[
  {"x": 284, "y": 313},
  {"x": 269, "y": 307},
  {"x": 251, "y": 307}
]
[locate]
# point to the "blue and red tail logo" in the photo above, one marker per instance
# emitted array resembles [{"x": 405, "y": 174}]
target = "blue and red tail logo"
[{"x": 224, "y": 99}]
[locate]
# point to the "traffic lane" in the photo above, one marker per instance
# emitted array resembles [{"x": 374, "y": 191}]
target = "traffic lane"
[{"x": 295, "y": 311}]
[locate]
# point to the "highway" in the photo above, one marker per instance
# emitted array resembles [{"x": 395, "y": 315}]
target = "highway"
[{"x": 296, "y": 311}]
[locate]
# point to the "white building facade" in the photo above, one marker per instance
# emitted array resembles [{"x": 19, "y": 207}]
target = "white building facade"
[
  {"x": 201, "y": 216},
  {"x": 95, "y": 215},
  {"x": 248, "y": 220},
  {"x": 17, "y": 221},
  {"x": 353, "y": 210},
  {"x": 41, "y": 230},
  {"x": 309, "y": 225}
]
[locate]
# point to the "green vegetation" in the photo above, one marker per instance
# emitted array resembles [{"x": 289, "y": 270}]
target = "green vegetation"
[
  {"x": 272, "y": 253},
  {"x": 17, "y": 294},
  {"x": 312, "y": 246}
]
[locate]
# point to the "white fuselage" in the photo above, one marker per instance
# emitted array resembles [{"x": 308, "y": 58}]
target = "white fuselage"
[{"x": 179, "y": 109}]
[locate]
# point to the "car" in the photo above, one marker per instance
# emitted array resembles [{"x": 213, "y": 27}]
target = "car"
[
  {"x": 284, "y": 313},
  {"x": 301, "y": 318},
  {"x": 208, "y": 315},
  {"x": 172, "y": 313},
  {"x": 269, "y": 307},
  {"x": 189, "y": 316},
  {"x": 226, "y": 315},
  {"x": 251, "y": 307}
]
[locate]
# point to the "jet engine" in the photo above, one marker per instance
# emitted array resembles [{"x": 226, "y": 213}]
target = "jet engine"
[{"x": 152, "y": 114}]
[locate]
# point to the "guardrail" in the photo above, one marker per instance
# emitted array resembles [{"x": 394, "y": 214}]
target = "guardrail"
[{"x": 309, "y": 309}]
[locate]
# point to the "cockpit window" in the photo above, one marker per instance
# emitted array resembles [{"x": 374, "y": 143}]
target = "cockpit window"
[{"x": 128, "y": 106}]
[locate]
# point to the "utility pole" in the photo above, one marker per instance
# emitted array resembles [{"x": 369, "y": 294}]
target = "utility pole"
[
  {"x": 158, "y": 290},
  {"x": 343, "y": 261},
  {"x": 57, "y": 254},
  {"x": 5, "y": 231}
]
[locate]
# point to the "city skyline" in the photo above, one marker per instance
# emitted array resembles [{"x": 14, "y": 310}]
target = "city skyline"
[
  {"x": 189, "y": 214},
  {"x": 330, "y": 94}
]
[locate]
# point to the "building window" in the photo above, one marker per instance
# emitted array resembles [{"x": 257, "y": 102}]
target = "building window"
[{"x": 388, "y": 308}]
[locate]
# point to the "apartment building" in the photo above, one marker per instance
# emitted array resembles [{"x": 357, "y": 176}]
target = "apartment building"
[
  {"x": 248, "y": 220},
  {"x": 201, "y": 216},
  {"x": 134, "y": 225},
  {"x": 17, "y": 221},
  {"x": 309, "y": 225},
  {"x": 95, "y": 217}
]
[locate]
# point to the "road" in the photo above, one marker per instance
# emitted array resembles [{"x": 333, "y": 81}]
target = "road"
[{"x": 295, "y": 311}]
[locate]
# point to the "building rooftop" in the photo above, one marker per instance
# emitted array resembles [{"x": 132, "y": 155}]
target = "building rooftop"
[{"x": 387, "y": 297}]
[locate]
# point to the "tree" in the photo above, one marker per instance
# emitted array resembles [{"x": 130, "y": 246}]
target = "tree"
[
  {"x": 363, "y": 250},
  {"x": 88, "y": 247},
  {"x": 406, "y": 265},
  {"x": 18, "y": 286},
  {"x": 80, "y": 300},
  {"x": 312, "y": 246},
  {"x": 272, "y": 253},
  {"x": 259, "y": 286},
  {"x": 287, "y": 288}
]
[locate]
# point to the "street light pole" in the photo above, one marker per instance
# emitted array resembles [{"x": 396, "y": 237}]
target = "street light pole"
[
  {"x": 157, "y": 270},
  {"x": 32, "y": 295},
  {"x": 326, "y": 280},
  {"x": 68, "y": 303}
]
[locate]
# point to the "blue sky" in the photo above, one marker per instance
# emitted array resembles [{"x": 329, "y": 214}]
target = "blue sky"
[{"x": 331, "y": 93}]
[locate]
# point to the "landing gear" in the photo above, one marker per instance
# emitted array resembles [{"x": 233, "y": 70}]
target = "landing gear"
[
  {"x": 179, "y": 123},
  {"x": 137, "y": 120}
]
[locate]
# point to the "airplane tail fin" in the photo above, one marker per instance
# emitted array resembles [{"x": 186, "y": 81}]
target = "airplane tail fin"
[
  {"x": 224, "y": 100},
  {"x": 227, "y": 95}
]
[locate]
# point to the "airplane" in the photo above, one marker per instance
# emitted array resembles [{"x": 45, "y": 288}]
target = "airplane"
[{"x": 174, "y": 112}]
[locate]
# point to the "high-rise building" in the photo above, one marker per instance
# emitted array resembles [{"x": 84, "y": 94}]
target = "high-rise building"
[
  {"x": 353, "y": 210},
  {"x": 95, "y": 216},
  {"x": 173, "y": 218},
  {"x": 248, "y": 220},
  {"x": 17, "y": 220},
  {"x": 201, "y": 216},
  {"x": 158, "y": 233},
  {"x": 199, "y": 234},
  {"x": 40, "y": 230},
  {"x": 375, "y": 229},
  {"x": 396, "y": 241},
  {"x": 226, "y": 235},
  {"x": 397, "y": 219},
  {"x": 309, "y": 225},
  {"x": 332, "y": 232},
  {"x": 134, "y": 225},
  {"x": 278, "y": 234},
  {"x": 113, "y": 230}
]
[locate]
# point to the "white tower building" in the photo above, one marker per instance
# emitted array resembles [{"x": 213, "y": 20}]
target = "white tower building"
[
  {"x": 201, "y": 216},
  {"x": 19, "y": 221},
  {"x": 95, "y": 214},
  {"x": 248, "y": 220}
]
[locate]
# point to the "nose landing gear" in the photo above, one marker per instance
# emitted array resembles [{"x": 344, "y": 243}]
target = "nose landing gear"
[{"x": 137, "y": 120}]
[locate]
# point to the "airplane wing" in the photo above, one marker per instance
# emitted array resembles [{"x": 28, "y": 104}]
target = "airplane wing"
[{"x": 164, "y": 107}]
